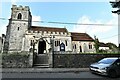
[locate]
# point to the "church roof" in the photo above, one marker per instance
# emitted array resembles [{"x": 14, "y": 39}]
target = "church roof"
[
  {"x": 81, "y": 37},
  {"x": 51, "y": 29},
  {"x": 75, "y": 36}
]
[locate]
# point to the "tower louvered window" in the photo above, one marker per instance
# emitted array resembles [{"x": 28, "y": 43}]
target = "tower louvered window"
[{"x": 19, "y": 16}]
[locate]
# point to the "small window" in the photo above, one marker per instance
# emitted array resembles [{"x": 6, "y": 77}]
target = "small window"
[
  {"x": 19, "y": 16},
  {"x": 90, "y": 46},
  {"x": 75, "y": 46},
  {"x": 58, "y": 43},
  {"x": 55, "y": 43},
  {"x": 18, "y": 28},
  {"x": 32, "y": 42},
  {"x": 80, "y": 49},
  {"x": 66, "y": 42},
  {"x": 2, "y": 41}
]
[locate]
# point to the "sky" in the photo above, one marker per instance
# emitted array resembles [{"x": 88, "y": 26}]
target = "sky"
[{"x": 67, "y": 11}]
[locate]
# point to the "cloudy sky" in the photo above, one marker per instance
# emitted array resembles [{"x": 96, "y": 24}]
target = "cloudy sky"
[{"x": 67, "y": 11}]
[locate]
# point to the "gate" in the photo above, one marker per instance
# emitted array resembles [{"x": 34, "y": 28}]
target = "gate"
[{"x": 41, "y": 60}]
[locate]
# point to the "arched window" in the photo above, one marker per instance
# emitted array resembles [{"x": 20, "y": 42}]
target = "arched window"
[
  {"x": 75, "y": 46},
  {"x": 19, "y": 16},
  {"x": 31, "y": 42},
  {"x": 80, "y": 49},
  {"x": 18, "y": 28},
  {"x": 55, "y": 43},
  {"x": 66, "y": 42}
]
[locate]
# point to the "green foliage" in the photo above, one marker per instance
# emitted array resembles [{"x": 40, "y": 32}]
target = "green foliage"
[
  {"x": 102, "y": 51},
  {"x": 119, "y": 47},
  {"x": 96, "y": 45},
  {"x": 111, "y": 45}
]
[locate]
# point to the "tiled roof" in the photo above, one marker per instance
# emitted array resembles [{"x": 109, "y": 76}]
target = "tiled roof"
[
  {"x": 75, "y": 36},
  {"x": 51, "y": 29},
  {"x": 81, "y": 37}
]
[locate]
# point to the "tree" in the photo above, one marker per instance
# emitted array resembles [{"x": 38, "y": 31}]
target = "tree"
[
  {"x": 96, "y": 45},
  {"x": 111, "y": 45}
]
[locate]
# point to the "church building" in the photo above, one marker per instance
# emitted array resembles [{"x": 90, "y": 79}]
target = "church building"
[
  {"x": 41, "y": 43},
  {"x": 21, "y": 36}
]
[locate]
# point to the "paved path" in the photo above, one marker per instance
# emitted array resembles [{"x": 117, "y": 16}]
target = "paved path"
[
  {"x": 51, "y": 75},
  {"x": 43, "y": 70}
]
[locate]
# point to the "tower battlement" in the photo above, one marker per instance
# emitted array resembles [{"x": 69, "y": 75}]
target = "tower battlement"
[{"x": 20, "y": 7}]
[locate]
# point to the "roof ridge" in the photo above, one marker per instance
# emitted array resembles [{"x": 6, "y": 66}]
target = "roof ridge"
[
  {"x": 77, "y": 32},
  {"x": 52, "y": 29},
  {"x": 47, "y": 27}
]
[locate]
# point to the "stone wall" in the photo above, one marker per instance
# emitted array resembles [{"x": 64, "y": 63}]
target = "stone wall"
[
  {"x": 25, "y": 60},
  {"x": 16, "y": 60},
  {"x": 78, "y": 60}
]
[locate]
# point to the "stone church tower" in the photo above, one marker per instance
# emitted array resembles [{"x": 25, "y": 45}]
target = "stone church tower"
[{"x": 19, "y": 23}]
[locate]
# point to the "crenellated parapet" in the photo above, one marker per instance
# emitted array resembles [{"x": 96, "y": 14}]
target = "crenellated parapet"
[
  {"x": 15, "y": 7},
  {"x": 30, "y": 32}
]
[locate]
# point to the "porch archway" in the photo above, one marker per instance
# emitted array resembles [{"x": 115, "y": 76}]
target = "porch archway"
[{"x": 41, "y": 47}]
